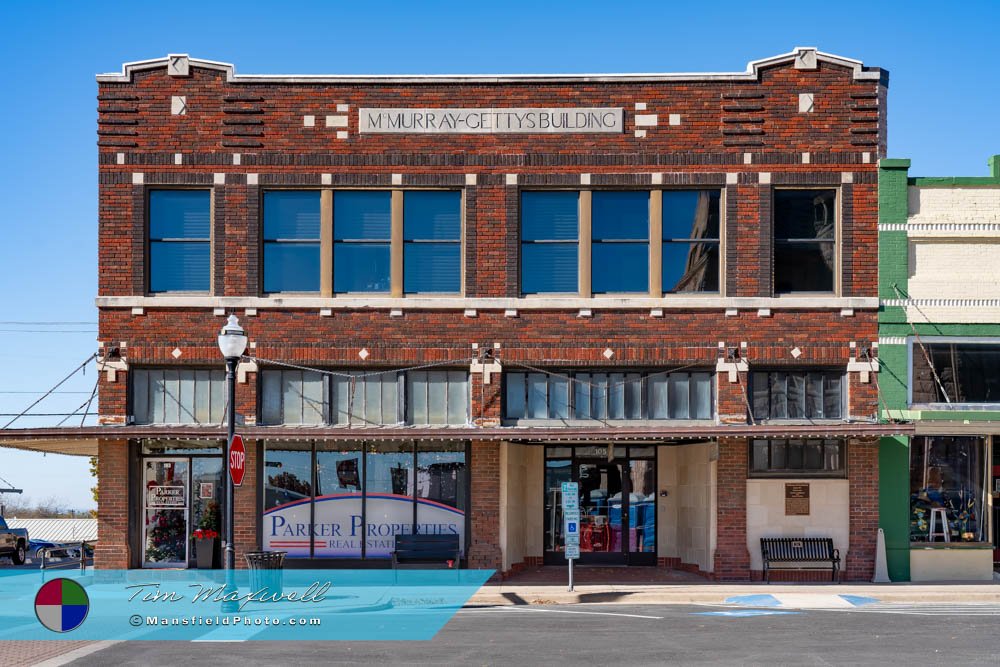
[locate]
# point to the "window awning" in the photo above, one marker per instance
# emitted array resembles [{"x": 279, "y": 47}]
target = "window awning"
[{"x": 82, "y": 441}]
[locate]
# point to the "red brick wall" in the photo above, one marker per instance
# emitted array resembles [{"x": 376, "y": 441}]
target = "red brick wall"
[
  {"x": 484, "y": 494},
  {"x": 862, "y": 469},
  {"x": 112, "y": 549},
  {"x": 247, "y": 509},
  {"x": 732, "y": 560}
]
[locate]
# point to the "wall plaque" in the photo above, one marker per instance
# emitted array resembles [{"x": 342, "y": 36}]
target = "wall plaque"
[
  {"x": 796, "y": 500},
  {"x": 548, "y": 120}
]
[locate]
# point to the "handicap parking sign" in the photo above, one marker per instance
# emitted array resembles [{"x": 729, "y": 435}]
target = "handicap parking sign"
[{"x": 571, "y": 527}]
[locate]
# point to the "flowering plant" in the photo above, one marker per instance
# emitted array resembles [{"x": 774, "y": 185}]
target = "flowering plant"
[{"x": 205, "y": 534}]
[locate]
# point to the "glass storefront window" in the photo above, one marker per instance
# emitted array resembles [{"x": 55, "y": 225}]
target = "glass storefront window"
[
  {"x": 338, "y": 529},
  {"x": 389, "y": 496},
  {"x": 288, "y": 492},
  {"x": 350, "y": 499},
  {"x": 165, "y": 502},
  {"x": 948, "y": 485},
  {"x": 206, "y": 484},
  {"x": 442, "y": 498}
]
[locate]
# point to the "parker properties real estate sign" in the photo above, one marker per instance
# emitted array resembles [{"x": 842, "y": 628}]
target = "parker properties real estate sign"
[{"x": 559, "y": 120}]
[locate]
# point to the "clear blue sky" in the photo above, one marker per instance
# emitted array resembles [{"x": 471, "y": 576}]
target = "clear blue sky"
[{"x": 943, "y": 101}]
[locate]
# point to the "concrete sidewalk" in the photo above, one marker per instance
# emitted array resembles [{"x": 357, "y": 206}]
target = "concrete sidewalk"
[{"x": 718, "y": 593}]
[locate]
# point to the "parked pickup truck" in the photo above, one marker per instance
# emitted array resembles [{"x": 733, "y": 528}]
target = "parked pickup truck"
[{"x": 13, "y": 543}]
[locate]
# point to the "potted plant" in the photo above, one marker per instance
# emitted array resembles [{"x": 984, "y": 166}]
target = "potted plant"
[{"x": 205, "y": 547}]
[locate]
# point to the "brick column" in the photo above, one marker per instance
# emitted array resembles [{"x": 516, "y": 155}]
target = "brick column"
[
  {"x": 862, "y": 472},
  {"x": 732, "y": 560},
  {"x": 247, "y": 508},
  {"x": 484, "y": 495},
  {"x": 112, "y": 550}
]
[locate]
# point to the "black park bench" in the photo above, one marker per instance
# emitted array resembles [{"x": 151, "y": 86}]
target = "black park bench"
[
  {"x": 426, "y": 551},
  {"x": 806, "y": 553}
]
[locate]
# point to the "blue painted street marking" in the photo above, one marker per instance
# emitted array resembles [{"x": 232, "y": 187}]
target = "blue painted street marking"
[
  {"x": 859, "y": 600},
  {"x": 754, "y": 600},
  {"x": 745, "y": 612}
]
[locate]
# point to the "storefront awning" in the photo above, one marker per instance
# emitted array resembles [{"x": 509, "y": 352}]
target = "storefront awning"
[{"x": 82, "y": 441}]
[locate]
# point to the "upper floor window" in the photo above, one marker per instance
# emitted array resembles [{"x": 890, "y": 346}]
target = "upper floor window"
[
  {"x": 362, "y": 237},
  {"x": 805, "y": 253},
  {"x": 550, "y": 239},
  {"x": 180, "y": 232},
  {"x": 291, "y": 241},
  {"x": 690, "y": 240},
  {"x": 606, "y": 242},
  {"x": 178, "y": 395},
  {"x": 432, "y": 242},
  {"x": 608, "y": 396},
  {"x": 961, "y": 373},
  {"x": 365, "y": 398},
  {"x": 798, "y": 395},
  {"x": 620, "y": 242}
]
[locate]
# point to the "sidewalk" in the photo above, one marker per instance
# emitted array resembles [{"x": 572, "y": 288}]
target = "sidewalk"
[{"x": 547, "y": 585}]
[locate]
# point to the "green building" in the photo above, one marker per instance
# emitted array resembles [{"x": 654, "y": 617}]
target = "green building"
[{"x": 939, "y": 349}]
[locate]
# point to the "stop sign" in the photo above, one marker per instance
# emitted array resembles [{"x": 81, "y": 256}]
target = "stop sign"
[{"x": 237, "y": 460}]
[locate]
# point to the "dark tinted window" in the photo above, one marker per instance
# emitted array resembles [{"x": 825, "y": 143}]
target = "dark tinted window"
[
  {"x": 965, "y": 373},
  {"x": 798, "y": 395},
  {"x": 690, "y": 241},
  {"x": 804, "y": 246},
  {"x": 807, "y": 457}
]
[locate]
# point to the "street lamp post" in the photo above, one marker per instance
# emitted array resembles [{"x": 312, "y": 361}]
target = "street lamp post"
[{"x": 232, "y": 343}]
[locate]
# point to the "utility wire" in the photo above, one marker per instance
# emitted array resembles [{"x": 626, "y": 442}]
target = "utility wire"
[
  {"x": 57, "y": 385},
  {"x": 927, "y": 356},
  {"x": 43, "y": 323}
]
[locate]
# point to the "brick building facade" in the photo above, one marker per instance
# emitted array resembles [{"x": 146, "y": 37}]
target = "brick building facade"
[{"x": 661, "y": 286}]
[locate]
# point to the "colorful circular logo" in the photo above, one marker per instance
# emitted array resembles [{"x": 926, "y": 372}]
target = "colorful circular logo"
[{"x": 61, "y": 605}]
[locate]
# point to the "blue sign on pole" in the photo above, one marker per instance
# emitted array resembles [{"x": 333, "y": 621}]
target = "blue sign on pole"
[{"x": 571, "y": 519}]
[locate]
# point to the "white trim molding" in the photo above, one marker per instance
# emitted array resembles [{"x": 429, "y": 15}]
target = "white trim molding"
[
  {"x": 228, "y": 303},
  {"x": 752, "y": 73}
]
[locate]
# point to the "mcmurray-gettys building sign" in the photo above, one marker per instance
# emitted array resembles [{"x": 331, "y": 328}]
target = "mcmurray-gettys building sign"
[{"x": 492, "y": 121}]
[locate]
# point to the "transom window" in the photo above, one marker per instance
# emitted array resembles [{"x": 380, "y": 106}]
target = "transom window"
[
  {"x": 806, "y": 457},
  {"x": 180, "y": 235},
  {"x": 805, "y": 256},
  {"x": 365, "y": 398},
  {"x": 608, "y": 396},
  {"x": 959, "y": 373},
  {"x": 177, "y": 395},
  {"x": 798, "y": 394}
]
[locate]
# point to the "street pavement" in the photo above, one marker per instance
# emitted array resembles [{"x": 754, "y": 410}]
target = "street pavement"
[{"x": 735, "y": 634}]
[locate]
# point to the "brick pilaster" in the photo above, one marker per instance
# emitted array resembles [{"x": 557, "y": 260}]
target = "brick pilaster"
[
  {"x": 732, "y": 560},
  {"x": 484, "y": 551},
  {"x": 862, "y": 469},
  {"x": 247, "y": 508},
  {"x": 112, "y": 550}
]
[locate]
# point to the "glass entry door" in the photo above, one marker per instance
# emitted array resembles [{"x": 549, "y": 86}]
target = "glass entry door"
[
  {"x": 617, "y": 503},
  {"x": 165, "y": 512}
]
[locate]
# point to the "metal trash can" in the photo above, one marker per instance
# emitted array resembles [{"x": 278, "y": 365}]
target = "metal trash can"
[{"x": 266, "y": 570}]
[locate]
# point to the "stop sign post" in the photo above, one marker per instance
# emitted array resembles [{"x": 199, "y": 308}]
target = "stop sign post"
[{"x": 237, "y": 460}]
